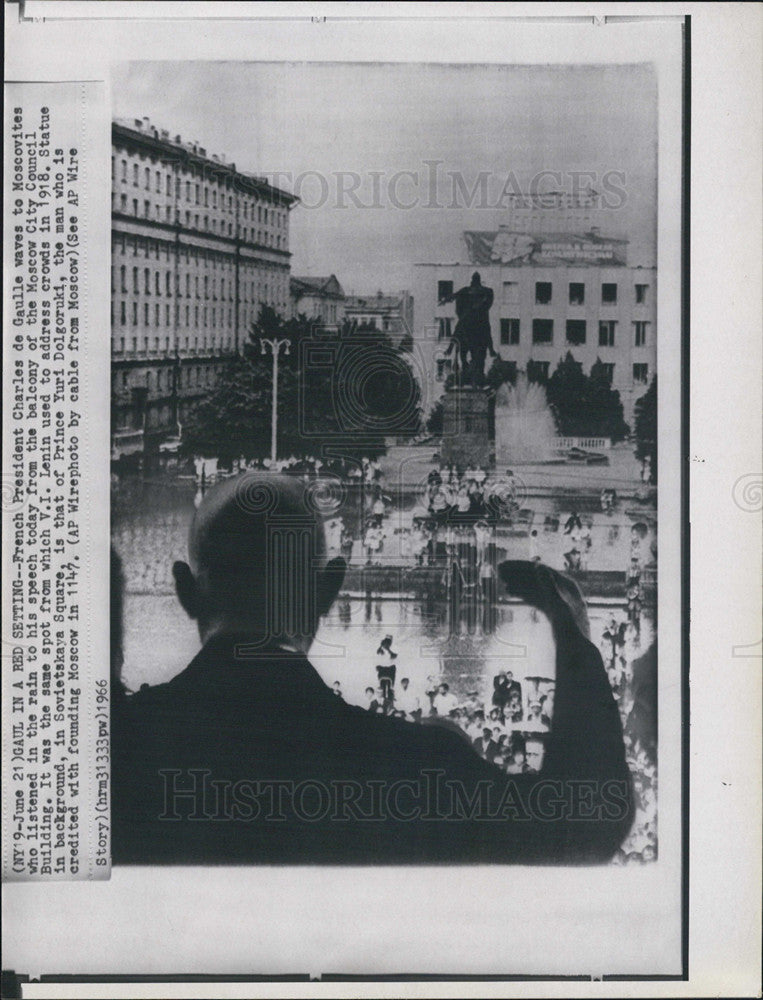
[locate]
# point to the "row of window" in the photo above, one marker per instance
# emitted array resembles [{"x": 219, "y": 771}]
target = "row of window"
[
  {"x": 543, "y": 331},
  {"x": 576, "y": 292},
  {"x": 156, "y": 345},
  {"x": 205, "y": 223},
  {"x": 200, "y": 316},
  {"x": 538, "y": 371},
  {"x": 197, "y": 193},
  {"x": 186, "y": 253},
  {"x": 187, "y": 375},
  {"x": 201, "y": 284}
]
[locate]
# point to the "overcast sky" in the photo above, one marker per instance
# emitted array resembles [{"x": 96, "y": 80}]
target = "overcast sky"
[{"x": 306, "y": 122}]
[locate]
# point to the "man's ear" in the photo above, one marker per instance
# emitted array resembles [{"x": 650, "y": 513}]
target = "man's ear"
[
  {"x": 330, "y": 580},
  {"x": 186, "y": 589}
]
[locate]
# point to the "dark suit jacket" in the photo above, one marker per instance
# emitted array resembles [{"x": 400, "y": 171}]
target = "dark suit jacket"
[{"x": 241, "y": 760}]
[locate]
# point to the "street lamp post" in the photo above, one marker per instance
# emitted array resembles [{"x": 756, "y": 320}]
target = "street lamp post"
[{"x": 275, "y": 346}]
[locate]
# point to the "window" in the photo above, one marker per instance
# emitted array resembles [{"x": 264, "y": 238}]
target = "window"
[
  {"x": 607, "y": 329},
  {"x": 543, "y": 331},
  {"x": 608, "y": 370},
  {"x": 577, "y": 293},
  {"x": 157, "y": 283},
  {"x": 444, "y": 366},
  {"x": 639, "y": 331},
  {"x": 443, "y": 328},
  {"x": 542, "y": 292},
  {"x": 122, "y": 312},
  {"x": 146, "y": 319},
  {"x": 135, "y": 206},
  {"x": 123, "y": 202},
  {"x": 121, "y": 345},
  {"x": 124, "y": 170},
  {"x": 147, "y": 209},
  {"x": 537, "y": 371},
  {"x": 123, "y": 278},
  {"x": 641, "y": 291},
  {"x": 135, "y": 174},
  {"x": 148, "y": 179},
  {"x": 147, "y": 281},
  {"x": 134, "y": 317},
  {"x": 135, "y": 285},
  {"x": 511, "y": 292},
  {"x": 640, "y": 374},
  {"x": 609, "y": 293},
  {"x": 576, "y": 331},
  {"x": 509, "y": 331},
  {"x": 168, "y": 283}
]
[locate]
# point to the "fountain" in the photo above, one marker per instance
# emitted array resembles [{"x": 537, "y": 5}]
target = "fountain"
[{"x": 525, "y": 431}]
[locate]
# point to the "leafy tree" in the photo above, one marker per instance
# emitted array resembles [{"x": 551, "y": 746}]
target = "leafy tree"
[
  {"x": 605, "y": 405},
  {"x": 585, "y": 405},
  {"x": 435, "y": 418},
  {"x": 499, "y": 372},
  {"x": 348, "y": 390},
  {"x": 645, "y": 411}
]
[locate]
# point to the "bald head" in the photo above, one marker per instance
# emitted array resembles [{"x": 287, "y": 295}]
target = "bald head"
[{"x": 256, "y": 551}]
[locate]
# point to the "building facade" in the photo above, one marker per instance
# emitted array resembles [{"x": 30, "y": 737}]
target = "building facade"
[
  {"x": 320, "y": 299},
  {"x": 392, "y": 313},
  {"x": 197, "y": 247},
  {"x": 554, "y": 292}
]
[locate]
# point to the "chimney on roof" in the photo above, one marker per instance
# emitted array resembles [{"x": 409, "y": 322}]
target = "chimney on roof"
[
  {"x": 146, "y": 123},
  {"x": 165, "y": 135},
  {"x": 178, "y": 139}
]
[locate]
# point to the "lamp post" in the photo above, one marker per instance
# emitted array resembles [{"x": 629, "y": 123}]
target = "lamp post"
[{"x": 275, "y": 346}]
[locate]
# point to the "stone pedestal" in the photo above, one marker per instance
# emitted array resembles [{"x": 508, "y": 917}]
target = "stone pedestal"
[{"x": 465, "y": 441}]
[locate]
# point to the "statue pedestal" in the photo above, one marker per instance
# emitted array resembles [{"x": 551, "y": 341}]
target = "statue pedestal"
[{"x": 465, "y": 441}]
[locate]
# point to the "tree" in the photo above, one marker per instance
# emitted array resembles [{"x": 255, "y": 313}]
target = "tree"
[
  {"x": 605, "y": 405},
  {"x": 585, "y": 405},
  {"x": 499, "y": 372},
  {"x": 347, "y": 389},
  {"x": 645, "y": 411},
  {"x": 435, "y": 418}
]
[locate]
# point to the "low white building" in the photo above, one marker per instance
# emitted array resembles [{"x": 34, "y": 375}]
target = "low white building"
[{"x": 554, "y": 292}]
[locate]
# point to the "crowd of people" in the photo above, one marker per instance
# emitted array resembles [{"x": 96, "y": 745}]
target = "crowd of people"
[
  {"x": 509, "y": 730},
  {"x": 510, "y": 725}
]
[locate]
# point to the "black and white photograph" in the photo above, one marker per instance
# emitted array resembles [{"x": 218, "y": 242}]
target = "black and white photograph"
[
  {"x": 381, "y": 496},
  {"x": 384, "y": 463}
]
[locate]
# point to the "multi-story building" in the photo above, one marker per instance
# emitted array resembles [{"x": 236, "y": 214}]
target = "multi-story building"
[
  {"x": 320, "y": 299},
  {"x": 392, "y": 313},
  {"x": 197, "y": 247},
  {"x": 554, "y": 292}
]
